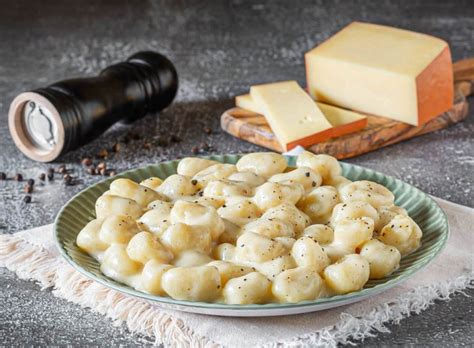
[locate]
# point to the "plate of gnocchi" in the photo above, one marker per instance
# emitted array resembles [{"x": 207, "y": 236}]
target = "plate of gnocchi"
[{"x": 258, "y": 234}]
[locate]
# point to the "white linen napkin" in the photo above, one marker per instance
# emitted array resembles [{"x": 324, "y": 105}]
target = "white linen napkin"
[{"x": 33, "y": 255}]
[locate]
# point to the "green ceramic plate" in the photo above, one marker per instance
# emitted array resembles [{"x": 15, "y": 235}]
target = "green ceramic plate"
[{"x": 429, "y": 216}]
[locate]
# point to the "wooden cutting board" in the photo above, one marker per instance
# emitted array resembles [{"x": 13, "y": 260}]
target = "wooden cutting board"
[{"x": 378, "y": 133}]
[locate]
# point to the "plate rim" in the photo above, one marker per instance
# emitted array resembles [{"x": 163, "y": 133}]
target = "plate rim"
[{"x": 338, "y": 300}]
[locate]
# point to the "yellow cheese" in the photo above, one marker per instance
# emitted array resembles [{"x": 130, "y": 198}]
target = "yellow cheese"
[
  {"x": 383, "y": 71},
  {"x": 292, "y": 114},
  {"x": 343, "y": 121}
]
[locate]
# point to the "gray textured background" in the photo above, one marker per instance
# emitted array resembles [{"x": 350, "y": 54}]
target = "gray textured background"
[{"x": 219, "y": 50}]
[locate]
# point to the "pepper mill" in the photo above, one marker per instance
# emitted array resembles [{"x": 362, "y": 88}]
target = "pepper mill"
[{"x": 48, "y": 122}]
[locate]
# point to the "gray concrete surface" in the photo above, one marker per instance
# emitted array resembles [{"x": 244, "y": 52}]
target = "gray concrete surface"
[{"x": 219, "y": 49}]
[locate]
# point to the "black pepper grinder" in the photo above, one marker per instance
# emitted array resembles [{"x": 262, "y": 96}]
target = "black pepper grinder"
[{"x": 48, "y": 122}]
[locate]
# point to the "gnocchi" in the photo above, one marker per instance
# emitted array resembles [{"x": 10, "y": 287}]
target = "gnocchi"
[{"x": 255, "y": 232}]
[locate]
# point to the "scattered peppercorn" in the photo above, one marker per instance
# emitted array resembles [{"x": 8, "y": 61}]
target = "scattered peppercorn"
[
  {"x": 31, "y": 182},
  {"x": 3, "y": 176},
  {"x": 42, "y": 176},
  {"x": 112, "y": 173},
  {"x": 92, "y": 170},
  {"x": 67, "y": 177},
  {"x": 27, "y": 199},
  {"x": 28, "y": 189},
  {"x": 103, "y": 153},
  {"x": 174, "y": 138},
  {"x": 19, "y": 177},
  {"x": 116, "y": 147},
  {"x": 50, "y": 176},
  {"x": 207, "y": 130},
  {"x": 62, "y": 169},
  {"x": 86, "y": 161},
  {"x": 103, "y": 171},
  {"x": 195, "y": 150},
  {"x": 101, "y": 166}
]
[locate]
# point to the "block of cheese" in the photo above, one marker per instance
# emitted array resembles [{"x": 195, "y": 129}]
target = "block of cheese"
[
  {"x": 343, "y": 121},
  {"x": 380, "y": 70},
  {"x": 291, "y": 113}
]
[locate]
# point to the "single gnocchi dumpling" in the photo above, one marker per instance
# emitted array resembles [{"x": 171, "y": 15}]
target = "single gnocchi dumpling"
[
  {"x": 270, "y": 228},
  {"x": 88, "y": 239},
  {"x": 191, "y": 258},
  {"x": 239, "y": 213},
  {"x": 253, "y": 247},
  {"x": 367, "y": 191},
  {"x": 290, "y": 214},
  {"x": 319, "y": 204},
  {"x": 202, "y": 283},
  {"x": 304, "y": 176},
  {"x": 118, "y": 265},
  {"x": 107, "y": 205},
  {"x": 231, "y": 233},
  {"x": 274, "y": 267},
  {"x": 264, "y": 164},
  {"x": 383, "y": 259},
  {"x": 152, "y": 182},
  {"x": 155, "y": 221},
  {"x": 190, "y": 166},
  {"x": 386, "y": 214},
  {"x": 297, "y": 284},
  {"x": 198, "y": 215},
  {"x": 352, "y": 233},
  {"x": 353, "y": 210},
  {"x": 308, "y": 253},
  {"x": 320, "y": 233},
  {"x": 403, "y": 233},
  {"x": 131, "y": 190},
  {"x": 251, "y": 288},
  {"x": 326, "y": 166},
  {"x": 151, "y": 277},
  {"x": 176, "y": 186},
  {"x": 229, "y": 270},
  {"x": 270, "y": 194},
  {"x": 215, "y": 172},
  {"x": 179, "y": 237},
  {"x": 144, "y": 247},
  {"x": 224, "y": 252},
  {"x": 348, "y": 274},
  {"x": 118, "y": 229},
  {"x": 248, "y": 178},
  {"x": 222, "y": 189}
]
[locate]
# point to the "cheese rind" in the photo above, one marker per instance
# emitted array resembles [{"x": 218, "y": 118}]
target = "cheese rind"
[
  {"x": 343, "y": 121},
  {"x": 383, "y": 71},
  {"x": 292, "y": 114}
]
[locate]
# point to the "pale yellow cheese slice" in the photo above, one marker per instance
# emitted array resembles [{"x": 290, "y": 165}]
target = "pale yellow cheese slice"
[
  {"x": 383, "y": 71},
  {"x": 291, "y": 113},
  {"x": 336, "y": 116}
]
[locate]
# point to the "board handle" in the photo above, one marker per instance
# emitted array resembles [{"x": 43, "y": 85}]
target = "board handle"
[{"x": 464, "y": 76}]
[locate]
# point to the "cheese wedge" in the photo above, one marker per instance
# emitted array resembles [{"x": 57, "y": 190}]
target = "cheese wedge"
[
  {"x": 383, "y": 71},
  {"x": 291, "y": 113},
  {"x": 343, "y": 121}
]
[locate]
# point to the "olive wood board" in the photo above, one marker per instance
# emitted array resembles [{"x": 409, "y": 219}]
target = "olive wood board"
[{"x": 379, "y": 132}]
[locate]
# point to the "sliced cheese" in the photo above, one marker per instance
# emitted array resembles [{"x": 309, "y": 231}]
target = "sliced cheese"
[
  {"x": 343, "y": 121},
  {"x": 383, "y": 71},
  {"x": 291, "y": 113}
]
